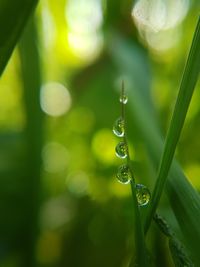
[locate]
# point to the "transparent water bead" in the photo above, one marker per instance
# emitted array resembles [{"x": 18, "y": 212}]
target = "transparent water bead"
[
  {"x": 123, "y": 99},
  {"x": 142, "y": 194},
  {"x": 121, "y": 150},
  {"x": 118, "y": 127},
  {"x": 124, "y": 175}
]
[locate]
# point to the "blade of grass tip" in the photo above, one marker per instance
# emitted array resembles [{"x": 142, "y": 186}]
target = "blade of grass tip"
[
  {"x": 140, "y": 256},
  {"x": 189, "y": 79}
]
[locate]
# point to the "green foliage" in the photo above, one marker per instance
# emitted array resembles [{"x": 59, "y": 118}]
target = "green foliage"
[
  {"x": 185, "y": 200},
  {"x": 60, "y": 203},
  {"x": 179, "y": 254},
  {"x": 13, "y": 18},
  {"x": 189, "y": 80},
  {"x": 140, "y": 255},
  {"x": 33, "y": 132}
]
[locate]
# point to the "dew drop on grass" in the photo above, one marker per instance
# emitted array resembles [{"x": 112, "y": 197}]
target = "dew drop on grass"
[
  {"x": 124, "y": 174},
  {"x": 121, "y": 150},
  {"x": 123, "y": 99},
  {"x": 118, "y": 127},
  {"x": 142, "y": 194}
]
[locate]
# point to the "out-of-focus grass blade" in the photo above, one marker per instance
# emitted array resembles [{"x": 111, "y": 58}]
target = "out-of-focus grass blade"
[
  {"x": 179, "y": 254},
  {"x": 184, "y": 199},
  {"x": 189, "y": 79},
  {"x": 13, "y": 18},
  {"x": 31, "y": 79}
]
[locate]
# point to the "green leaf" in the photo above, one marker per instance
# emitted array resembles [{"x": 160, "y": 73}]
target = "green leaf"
[
  {"x": 178, "y": 251},
  {"x": 163, "y": 225},
  {"x": 189, "y": 80},
  {"x": 179, "y": 254},
  {"x": 140, "y": 258},
  {"x": 13, "y": 18},
  {"x": 184, "y": 199},
  {"x": 33, "y": 133},
  {"x": 140, "y": 247}
]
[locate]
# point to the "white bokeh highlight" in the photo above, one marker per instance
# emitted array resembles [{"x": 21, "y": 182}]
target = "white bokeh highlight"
[{"x": 55, "y": 99}]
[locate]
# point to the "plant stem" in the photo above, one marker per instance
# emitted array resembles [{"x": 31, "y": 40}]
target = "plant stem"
[
  {"x": 141, "y": 258},
  {"x": 31, "y": 78}
]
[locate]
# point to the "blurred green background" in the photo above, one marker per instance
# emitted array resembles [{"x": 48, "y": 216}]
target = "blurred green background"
[{"x": 60, "y": 202}]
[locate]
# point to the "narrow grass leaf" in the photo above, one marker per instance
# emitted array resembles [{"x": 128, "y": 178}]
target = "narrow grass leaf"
[
  {"x": 178, "y": 251},
  {"x": 184, "y": 199},
  {"x": 140, "y": 258},
  {"x": 179, "y": 254},
  {"x": 189, "y": 80},
  {"x": 13, "y": 18},
  {"x": 31, "y": 80}
]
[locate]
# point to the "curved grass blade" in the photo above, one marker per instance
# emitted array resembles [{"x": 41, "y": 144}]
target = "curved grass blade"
[
  {"x": 13, "y": 18},
  {"x": 189, "y": 80},
  {"x": 184, "y": 199}
]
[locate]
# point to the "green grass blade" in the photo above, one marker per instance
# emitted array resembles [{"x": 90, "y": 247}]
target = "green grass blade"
[
  {"x": 178, "y": 251},
  {"x": 13, "y": 18},
  {"x": 31, "y": 79},
  {"x": 189, "y": 79},
  {"x": 140, "y": 258},
  {"x": 184, "y": 199}
]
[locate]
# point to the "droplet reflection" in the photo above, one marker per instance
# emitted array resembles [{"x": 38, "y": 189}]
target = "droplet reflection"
[
  {"x": 123, "y": 99},
  {"x": 121, "y": 150},
  {"x": 118, "y": 127},
  {"x": 124, "y": 174},
  {"x": 142, "y": 194}
]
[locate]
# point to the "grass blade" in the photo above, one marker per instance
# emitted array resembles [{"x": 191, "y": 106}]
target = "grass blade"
[
  {"x": 140, "y": 255},
  {"x": 184, "y": 199},
  {"x": 141, "y": 258},
  {"x": 189, "y": 79},
  {"x": 179, "y": 253},
  {"x": 13, "y": 18},
  {"x": 31, "y": 79}
]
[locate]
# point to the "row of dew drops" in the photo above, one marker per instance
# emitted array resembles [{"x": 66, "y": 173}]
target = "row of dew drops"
[{"x": 124, "y": 174}]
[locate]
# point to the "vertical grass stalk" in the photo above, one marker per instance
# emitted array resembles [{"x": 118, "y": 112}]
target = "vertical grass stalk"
[
  {"x": 31, "y": 78},
  {"x": 141, "y": 256}
]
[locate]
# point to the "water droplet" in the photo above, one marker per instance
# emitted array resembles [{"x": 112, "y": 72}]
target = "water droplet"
[
  {"x": 124, "y": 175},
  {"x": 118, "y": 127},
  {"x": 142, "y": 194},
  {"x": 123, "y": 99},
  {"x": 121, "y": 150}
]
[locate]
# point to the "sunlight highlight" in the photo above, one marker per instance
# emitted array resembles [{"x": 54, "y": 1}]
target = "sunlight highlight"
[
  {"x": 55, "y": 99},
  {"x": 84, "y": 19},
  {"x": 157, "y": 15},
  {"x": 157, "y": 21}
]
